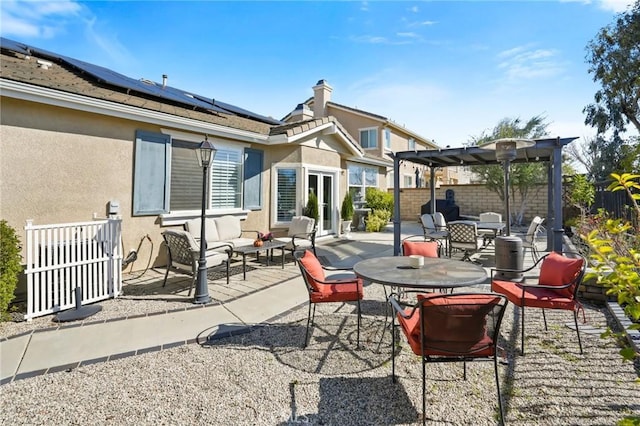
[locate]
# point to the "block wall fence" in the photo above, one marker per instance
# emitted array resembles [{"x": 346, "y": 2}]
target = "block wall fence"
[{"x": 473, "y": 199}]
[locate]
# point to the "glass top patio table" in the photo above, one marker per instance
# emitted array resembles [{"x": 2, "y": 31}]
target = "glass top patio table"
[{"x": 436, "y": 272}]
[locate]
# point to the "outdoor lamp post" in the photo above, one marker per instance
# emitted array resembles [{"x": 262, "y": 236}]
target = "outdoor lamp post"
[
  {"x": 506, "y": 152},
  {"x": 205, "y": 153}
]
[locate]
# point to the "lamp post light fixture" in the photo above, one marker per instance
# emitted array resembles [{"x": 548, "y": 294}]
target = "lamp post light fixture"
[
  {"x": 506, "y": 152},
  {"x": 205, "y": 153}
]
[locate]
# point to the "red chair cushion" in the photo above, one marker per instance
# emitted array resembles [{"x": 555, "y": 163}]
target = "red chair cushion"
[
  {"x": 314, "y": 269},
  {"x": 423, "y": 248},
  {"x": 533, "y": 297},
  {"x": 456, "y": 329},
  {"x": 559, "y": 270},
  {"x": 338, "y": 291}
]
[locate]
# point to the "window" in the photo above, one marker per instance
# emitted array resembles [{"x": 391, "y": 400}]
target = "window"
[
  {"x": 167, "y": 177},
  {"x": 286, "y": 185},
  {"x": 150, "y": 189},
  {"x": 226, "y": 179},
  {"x": 360, "y": 178},
  {"x": 408, "y": 181},
  {"x": 186, "y": 177},
  {"x": 369, "y": 138},
  {"x": 387, "y": 139},
  {"x": 412, "y": 144}
]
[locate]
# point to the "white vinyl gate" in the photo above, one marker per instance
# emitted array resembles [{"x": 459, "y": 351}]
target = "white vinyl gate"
[{"x": 62, "y": 257}]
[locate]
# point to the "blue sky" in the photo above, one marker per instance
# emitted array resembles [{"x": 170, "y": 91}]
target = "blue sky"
[{"x": 446, "y": 70}]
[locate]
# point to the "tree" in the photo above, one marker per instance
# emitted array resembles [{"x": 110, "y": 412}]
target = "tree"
[
  {"x": 614, "y": 59},
  {"x": 524, "y": 176}
]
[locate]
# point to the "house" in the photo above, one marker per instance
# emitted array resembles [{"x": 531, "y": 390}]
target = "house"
[
  {"x": 377, "y": 135},
  {"x": 79, "y": 140}
]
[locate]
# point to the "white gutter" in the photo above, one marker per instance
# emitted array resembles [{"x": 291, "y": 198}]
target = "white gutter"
[{"x": 28, "y": 92}]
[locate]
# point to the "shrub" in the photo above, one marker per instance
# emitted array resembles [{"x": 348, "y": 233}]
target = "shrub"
[
  {"x": 10, "y": 267},
  {"x": 615, "y": 255},
  {"x": 312, "y": 209},
  {"x": 346, "y": 210},
  {"x": 379, "y": 200},
  {"x": 377, "y": 220}
]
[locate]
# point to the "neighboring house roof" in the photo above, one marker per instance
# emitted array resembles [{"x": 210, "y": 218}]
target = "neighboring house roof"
[{"x": 381, "y": 118}]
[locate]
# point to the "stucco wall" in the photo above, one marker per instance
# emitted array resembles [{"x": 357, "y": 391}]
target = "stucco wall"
[
  {"x": 473, "y": 199},
  {"x": 62, "y": 166}
]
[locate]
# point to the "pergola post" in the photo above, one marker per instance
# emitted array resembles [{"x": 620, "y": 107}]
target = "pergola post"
[
  {"x": 558, "y": 231},
  {"x": 396, "y": 205},
  {"x": 549, "y": 206}
]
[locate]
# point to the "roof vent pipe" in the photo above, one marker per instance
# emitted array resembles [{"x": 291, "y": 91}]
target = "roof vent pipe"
[{"x": 164, "y": 80}]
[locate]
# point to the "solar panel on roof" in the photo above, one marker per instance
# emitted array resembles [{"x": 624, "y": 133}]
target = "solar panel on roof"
[{"x": 113, "y": 78}]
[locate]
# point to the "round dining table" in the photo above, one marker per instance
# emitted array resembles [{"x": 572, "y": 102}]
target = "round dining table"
[{"x": 437, "y": 273}]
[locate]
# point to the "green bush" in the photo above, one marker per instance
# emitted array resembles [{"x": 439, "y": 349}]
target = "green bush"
[
  {"x": 346, "y": 211},
  {"x": 379, "y": 200},
  {"x": 615, "y": 254},
  {"x": 377, "y": 220},
  {"x": 10, "y": 266}
]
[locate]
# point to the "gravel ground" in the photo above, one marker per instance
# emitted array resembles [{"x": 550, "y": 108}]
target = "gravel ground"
[{"x": 264, "y": 378}]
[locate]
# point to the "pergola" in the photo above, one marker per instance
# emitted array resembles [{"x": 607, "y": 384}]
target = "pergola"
[{"x": 547, "y": 150}]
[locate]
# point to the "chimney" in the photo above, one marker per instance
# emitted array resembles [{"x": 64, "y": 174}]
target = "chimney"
[
  {"x": 301, "y": 113},
  {"x": 321, "y": 95},
  {"x": 164, "y": 80}
]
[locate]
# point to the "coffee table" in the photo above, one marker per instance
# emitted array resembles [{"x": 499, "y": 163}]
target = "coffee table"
[{"x": 266, "y": 246}]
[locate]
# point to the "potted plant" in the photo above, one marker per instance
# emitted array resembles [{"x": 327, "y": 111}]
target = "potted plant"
[
  {"x": 312, "y": 210},
  {"x": 346, "y": 213}
]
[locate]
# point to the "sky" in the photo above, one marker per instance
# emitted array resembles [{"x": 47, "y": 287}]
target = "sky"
[{"x": 446, "y": 70}]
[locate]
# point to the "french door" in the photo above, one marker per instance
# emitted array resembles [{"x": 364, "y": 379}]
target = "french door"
[{"x": 322, "y": 184}]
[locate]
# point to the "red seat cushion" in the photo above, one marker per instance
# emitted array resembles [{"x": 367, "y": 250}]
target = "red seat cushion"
[
  {"x": 534, "y": 297},
  {"x": 313, "y": 268},
  {"x": 423, "y": 248},
  {"x": 338, "y": 291},
  {"x": 454, "y": 325},
  {"x": 560, "y": 270}
]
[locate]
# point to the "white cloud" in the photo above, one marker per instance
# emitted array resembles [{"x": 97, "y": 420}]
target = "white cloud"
[
  {"x": 524, "y": 62},
  {"x": 414, "y": 9},
  {"x": 50, "y": 19},
  {"x": 36, "y": 19},
  {"x": 615, "y": 5}
]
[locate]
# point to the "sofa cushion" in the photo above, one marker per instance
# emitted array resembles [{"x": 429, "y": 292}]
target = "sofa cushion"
[
  {"x": 301, "y": 225},
  {"x": 228, "y": 227},
  {"x": 210, "y": 229},
  {"x": 240, "y": 242}
]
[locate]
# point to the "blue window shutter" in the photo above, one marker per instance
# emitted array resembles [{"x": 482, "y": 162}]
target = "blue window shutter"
[
  {"x": 253, "y": 160},
  {"x": 151, "y": 173}
]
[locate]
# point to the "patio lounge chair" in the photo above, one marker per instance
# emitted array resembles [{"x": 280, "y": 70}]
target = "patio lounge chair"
[
  {"x": 301, "y": 234},
  {"x": 530, "y": 239},
  {"x": 184, "y": 254}
]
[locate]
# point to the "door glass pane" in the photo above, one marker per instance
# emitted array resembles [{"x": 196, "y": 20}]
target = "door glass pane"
[{"x": 327, "y": 202}]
